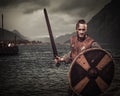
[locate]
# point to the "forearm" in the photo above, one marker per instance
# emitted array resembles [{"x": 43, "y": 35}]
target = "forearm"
[{"x": 66, "y": 58}]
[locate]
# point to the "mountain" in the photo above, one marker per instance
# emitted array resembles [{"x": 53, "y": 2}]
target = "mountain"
[
  {"x": 9, "y": 35},
  {"x": 63, "y": 38},
  {"x": 104, "y": 27},
  {"x": 20, "y": 36},
  {"x": 43, "y": 39}
]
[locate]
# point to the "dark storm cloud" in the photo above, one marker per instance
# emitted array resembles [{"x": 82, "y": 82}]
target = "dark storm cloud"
[
  {"x": 30, "y": 5},
  {"x": 79, "y": 7},
  {"x": 76, "y": 7},
  {"x": 5, "y": 3}
]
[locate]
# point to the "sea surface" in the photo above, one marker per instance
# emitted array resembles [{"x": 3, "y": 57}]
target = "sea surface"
[{"x": 33, "y": 73}]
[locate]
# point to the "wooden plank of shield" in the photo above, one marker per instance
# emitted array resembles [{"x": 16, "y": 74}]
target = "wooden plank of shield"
[{"x": 91, "y": 72}]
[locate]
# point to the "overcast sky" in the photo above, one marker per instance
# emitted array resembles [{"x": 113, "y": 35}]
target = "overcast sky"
[{"x": 27, "y": 16}]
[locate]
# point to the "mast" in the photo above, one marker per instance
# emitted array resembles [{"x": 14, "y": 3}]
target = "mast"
[
  {"x": 2, "y": 22},
  {"x": 2, "y": 27}
]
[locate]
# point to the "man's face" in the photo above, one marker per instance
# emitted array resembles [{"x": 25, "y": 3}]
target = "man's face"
[{"x": 81, "y": 30}]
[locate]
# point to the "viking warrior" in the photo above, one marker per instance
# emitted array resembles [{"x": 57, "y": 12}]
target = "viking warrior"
[{"x": 78, "y": 43}]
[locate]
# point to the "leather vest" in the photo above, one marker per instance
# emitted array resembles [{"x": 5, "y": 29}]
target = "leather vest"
[{"x": 78, "y": 46}]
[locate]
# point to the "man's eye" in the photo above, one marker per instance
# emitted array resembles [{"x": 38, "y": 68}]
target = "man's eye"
[{"x": 81, "y": 29}]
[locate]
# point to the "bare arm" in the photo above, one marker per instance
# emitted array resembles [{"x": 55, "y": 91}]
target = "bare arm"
[{"x": 65, "y": 58}]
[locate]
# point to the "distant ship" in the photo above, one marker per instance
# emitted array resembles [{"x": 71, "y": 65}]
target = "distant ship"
[{"x": 8, "y": 47}]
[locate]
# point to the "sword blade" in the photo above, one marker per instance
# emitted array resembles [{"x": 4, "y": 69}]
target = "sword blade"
[{"x": 55, "y": 53}]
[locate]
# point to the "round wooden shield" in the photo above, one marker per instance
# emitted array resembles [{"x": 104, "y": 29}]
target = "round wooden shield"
[{"x": 91, "y": 72}]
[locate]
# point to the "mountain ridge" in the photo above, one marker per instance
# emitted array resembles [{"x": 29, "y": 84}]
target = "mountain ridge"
[{"x": 11, "y": 35}]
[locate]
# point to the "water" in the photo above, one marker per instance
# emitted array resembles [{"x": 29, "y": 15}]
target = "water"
[{"x": 33, "y": 73}]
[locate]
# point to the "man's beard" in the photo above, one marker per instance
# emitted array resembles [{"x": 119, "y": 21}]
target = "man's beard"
[{"x": 81, "y": 38}]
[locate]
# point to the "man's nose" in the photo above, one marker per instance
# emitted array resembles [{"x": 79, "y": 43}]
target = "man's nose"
[{"x": 81, "y": 31}]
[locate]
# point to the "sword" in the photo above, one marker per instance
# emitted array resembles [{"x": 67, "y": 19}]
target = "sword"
[{"x": 55, "y": 53}]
